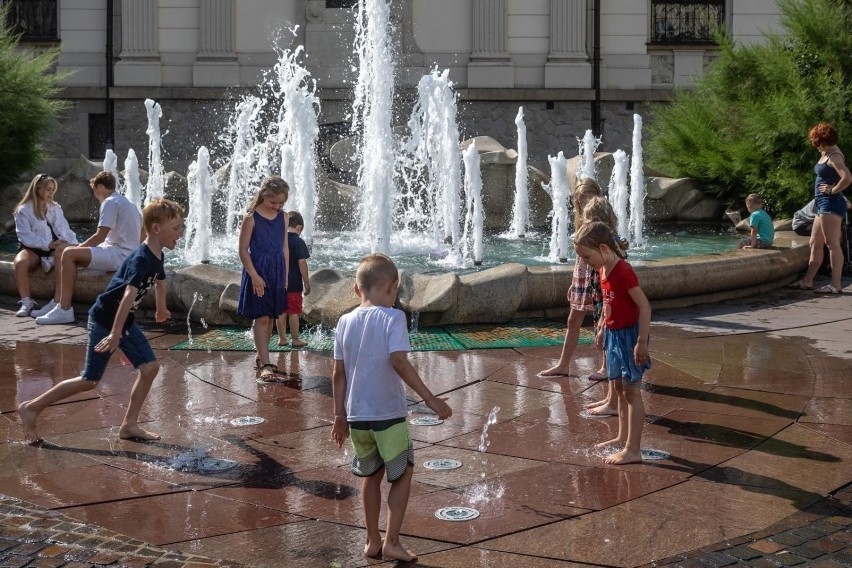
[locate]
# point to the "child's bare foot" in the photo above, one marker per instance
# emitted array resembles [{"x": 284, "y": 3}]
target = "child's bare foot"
[
  {"x": 28, "y": 422},
  {"x": 613, "y": 442},
  {"x": 556, "y": 371},
  {"x": 623, "y": 457},
  {"x": 282, "y": 342},
  {"x": 595, "y": 404},
  {"x": 397, "y": 552},
  {"x": 603, "y": 410},
  {"x": 298, "y": 343},
  {"x": 372, "y": 550},
  {"x": 136, "y": 433}
]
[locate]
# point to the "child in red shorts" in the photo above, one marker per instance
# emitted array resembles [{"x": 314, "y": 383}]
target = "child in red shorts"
[{"x": 298, "y": 281}]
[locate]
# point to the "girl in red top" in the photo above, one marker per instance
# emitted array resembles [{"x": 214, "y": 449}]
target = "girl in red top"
[{"x": 622, "y": 333}]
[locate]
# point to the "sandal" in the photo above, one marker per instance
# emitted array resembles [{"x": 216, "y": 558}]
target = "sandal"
[
  {"x": 269, "y": 373},
  {"x": 827, "y": 289},
  {"x": 800, "y": 285}
]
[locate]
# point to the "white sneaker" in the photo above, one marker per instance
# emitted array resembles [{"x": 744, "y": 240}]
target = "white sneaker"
[
  {"x": 27, "y": 306},
  {"x": 43, "y": 310},
  {"x": 56, "y": 315}
]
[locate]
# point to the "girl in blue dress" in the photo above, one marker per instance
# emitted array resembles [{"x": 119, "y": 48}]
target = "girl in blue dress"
[{"x": 265, "y": 258}]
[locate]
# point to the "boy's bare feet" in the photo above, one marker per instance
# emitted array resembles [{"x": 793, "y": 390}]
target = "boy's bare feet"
[
  {"x": 298, "y": 343},
  {"x": 595, "y": 404},
  {"x": 372, "y": 549},
  {"x": 613, "y": 442},
  {"x": 136, "y": 433},
  {"x": 282, "y": 342},
  {"x": 28, "y": 422},
  {"x": 396, "y": 551},
  {"x": 623, "y": 457}
]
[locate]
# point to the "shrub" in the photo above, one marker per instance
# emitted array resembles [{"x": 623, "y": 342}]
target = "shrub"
[{"x": 743, "y": 127}]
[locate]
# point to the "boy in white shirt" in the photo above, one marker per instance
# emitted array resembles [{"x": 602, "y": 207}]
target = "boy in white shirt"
[
  {"x": 370, "y": 357},
  {"x": 119, "y": 233}
]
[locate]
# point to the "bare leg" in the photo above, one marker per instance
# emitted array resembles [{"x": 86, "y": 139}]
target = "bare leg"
[
  {"x": 632, "y": 452},
  {"x": 371, "y": 495},
  {"x": 66, "y": 272},
  {"x": 816, "y": 244},
  {"x": 25, "y": 262},
  {"x": 831, "y": 225},
  {"x": 262, "y": 330},
  {"x": 295, "y": 340},
  {"x": 30, "y": 410},
  {"x": 130, "y": 428},
  {"x": 608, "y": 406},
  {"x": 397, "y": 503},
  {"x": 572, "y": 334},
  {"x": 621, "y": 439},
  {"x": 281, "y": 324}
]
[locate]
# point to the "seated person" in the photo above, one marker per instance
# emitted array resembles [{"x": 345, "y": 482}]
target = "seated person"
[
  {"x": 762, "y": 230},
  {"x": 119, "y": 232},
  {"x": 42, "y": 231},
  {"x": 803, "y": 219}
]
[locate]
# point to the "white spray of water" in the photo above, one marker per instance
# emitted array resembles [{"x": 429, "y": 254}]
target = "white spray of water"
[
  {"x": 199, "y": 225},
  {"x": 558, "y": 191},
  {"x": 637, "y": 185},
  {"x": 156, "y": 187},
  {"x": 473, "y": 190},
  {"x": 618, "y": 191},
  {"x": 588, "y": 146},
  {"x": 241, "y": 178},
  {"x": 111, "y": 166},
  {"x": 521, "y": 210},
  {"x": 132, "y": 184},
  {"x": 195, "y": 298},
  {"x": 432, "y": 154},
  {"x": 297, "y": 133},
  {"x": 371, "y": 121},
  {"x": 483, "y": 492}
]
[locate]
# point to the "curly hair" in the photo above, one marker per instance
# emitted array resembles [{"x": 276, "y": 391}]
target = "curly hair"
[{"x": 823, "y": 134}]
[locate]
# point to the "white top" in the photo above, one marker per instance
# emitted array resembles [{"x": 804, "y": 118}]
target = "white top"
[
  {"x": 124, "y": 221},
  {"x": 364, "y": 340},
  {"x": 35, "y": 233}
]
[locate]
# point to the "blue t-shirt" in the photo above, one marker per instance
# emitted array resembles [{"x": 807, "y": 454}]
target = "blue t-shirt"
[
  {"x": 298, "y": 251},
  {"x": 763, "y": 222},
  {"x": 139, "y": 270}
]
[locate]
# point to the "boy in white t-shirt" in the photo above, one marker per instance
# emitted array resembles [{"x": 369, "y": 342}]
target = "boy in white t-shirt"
[
  {"x": 119, "y": 233},
  {"x": 370, "y": 357}
]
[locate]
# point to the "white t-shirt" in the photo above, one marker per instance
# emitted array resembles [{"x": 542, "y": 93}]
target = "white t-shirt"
[
  {"x": 364, "y": 340},
  {"x": 124, "y": 221}
]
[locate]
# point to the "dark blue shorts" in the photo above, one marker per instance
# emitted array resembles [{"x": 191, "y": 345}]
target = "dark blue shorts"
[
  {"x": 833, "y": 204},
  {"x": 133, "y": 344}
]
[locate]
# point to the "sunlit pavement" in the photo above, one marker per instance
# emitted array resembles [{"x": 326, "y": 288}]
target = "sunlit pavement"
[{"x": 750, "y": 397}]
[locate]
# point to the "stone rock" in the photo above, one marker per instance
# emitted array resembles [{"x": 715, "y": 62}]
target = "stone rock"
[
  {"x": 492, "y": 295},
  {"x": 428, "y": 293},
  {"x": 604, "y": 163},
  {"x": 332, "y": 295},
  {"x": 783, "y": 224},
  {"x": 177, "y": 189},
  {"x": 707, "y": 209},
  {"x": 75, "y": 195},
  {"x": 206, "y": 291}
]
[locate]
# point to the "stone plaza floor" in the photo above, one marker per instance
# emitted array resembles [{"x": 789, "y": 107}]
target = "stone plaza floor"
[{"x": 752, "y": 398}]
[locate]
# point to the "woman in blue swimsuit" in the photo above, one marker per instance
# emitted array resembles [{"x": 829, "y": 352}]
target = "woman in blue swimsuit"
[{"x": 832, "y": 177}]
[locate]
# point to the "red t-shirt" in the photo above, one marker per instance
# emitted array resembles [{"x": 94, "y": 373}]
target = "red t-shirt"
[{"x": 619, "y": 309}]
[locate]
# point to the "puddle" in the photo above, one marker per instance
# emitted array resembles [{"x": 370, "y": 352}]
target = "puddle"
[{"x": 247, "y": 421}]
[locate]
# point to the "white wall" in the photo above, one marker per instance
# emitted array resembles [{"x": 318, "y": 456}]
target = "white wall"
[
  {"x": 82, "y": 35},
  {"x": 750, "y": 21}
]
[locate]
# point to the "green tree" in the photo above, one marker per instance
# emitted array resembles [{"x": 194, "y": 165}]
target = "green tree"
[
  {"x": 743, "y": 127},
  {"x": 28, "y": 102}
]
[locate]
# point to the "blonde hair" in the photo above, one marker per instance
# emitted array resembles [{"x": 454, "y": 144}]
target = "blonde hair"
[
  {"x": 594, "y": 234},
  {"x": 39, "y": 204},
  {"x": 273, "y": 185},
  {"x": 160, "y": 211},
  {"x": 585, "y": 190},
  {"x": 375, "y": 270},
  {"x": 754, "y": 199}
]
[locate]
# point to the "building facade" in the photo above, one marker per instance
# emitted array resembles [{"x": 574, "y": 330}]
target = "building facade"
[{"x": 572, "y": 64}]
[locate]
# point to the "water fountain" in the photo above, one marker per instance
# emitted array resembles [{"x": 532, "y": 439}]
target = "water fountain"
[
  {"x": 559, "y": 192},
  {"x": 473, "y": 191},
  {"x": 619, "y": 194},
  {"x": 198, "y": 222},
  {"x": 637, "y": 185},
  {"x": 156, "y": 186},
  {"x": 521, "y": 210},
  {"x": 132, "y": 184}
]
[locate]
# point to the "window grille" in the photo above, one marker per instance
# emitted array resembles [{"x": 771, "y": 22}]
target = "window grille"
[
  {"x": 35, "y": 20},
  {"x": 340, "y": 3},
  {"x": 686, "y": 21}
]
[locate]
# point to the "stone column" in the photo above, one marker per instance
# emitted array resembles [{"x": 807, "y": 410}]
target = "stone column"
[
  {"x": 139, "y": 61},
  {"x": 216, "y": 65},
  {"x": 490, "y": 64},
  {"x": 568, "y": 62}
]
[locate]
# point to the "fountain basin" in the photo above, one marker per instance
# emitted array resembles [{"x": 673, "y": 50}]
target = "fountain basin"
[{"x": 494, "y": 295}]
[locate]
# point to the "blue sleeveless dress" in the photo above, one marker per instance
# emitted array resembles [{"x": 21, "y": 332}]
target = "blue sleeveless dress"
[
  {"x": 266, "y": 249},
  {"x": 836, "y": 203}
]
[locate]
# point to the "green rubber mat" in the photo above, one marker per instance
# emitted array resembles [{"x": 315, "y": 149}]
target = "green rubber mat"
[
  {"x": 520, "y": 333},
  {"x": 524, "y": 333}
]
